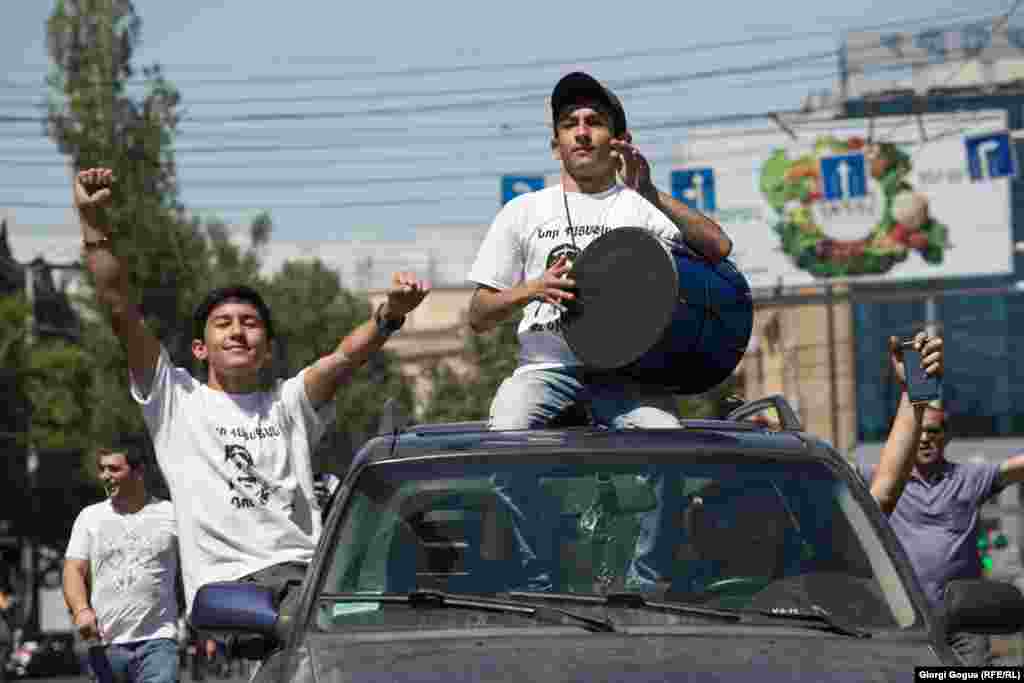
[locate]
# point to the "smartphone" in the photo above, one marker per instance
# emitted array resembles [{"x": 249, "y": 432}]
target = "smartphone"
[{"x": 921, "y": 387}]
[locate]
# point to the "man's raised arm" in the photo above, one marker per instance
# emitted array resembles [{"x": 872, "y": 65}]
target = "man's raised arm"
[
  {"x": 900, "y": 449},
  {"x": 327, "y": 374},
  {"x": 92, "y": 194}
]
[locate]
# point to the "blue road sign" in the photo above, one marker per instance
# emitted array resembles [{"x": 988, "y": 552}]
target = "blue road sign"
[
  {"x": 990, "y": 156},
  {"x": 514, "y": 185},
  {"x": 695, "y": 187},
  {"x": 843, "y": 177}
]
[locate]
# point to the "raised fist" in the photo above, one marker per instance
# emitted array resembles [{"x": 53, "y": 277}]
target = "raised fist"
[{"x": 93, "y": 188}]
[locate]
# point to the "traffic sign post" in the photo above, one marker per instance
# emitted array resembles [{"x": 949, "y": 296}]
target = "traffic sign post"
[
  {"x": 695, "y": 187},
  {"x": 843, "y": 177},
  {"x": 990, "y": 156}
]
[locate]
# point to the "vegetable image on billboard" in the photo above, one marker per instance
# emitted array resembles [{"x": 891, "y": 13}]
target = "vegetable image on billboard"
[{"x": 847, "y": 207}]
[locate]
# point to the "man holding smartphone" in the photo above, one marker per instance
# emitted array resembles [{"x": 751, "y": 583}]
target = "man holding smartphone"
[{"x": 933, "y": 504}]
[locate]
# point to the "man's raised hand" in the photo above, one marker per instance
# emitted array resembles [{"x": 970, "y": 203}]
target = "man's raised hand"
[
  {"x": 92, "y": 188},
  {"x": 634, "y": 169},
  {"x": 931, "y": 356},
  {"x": 406, "y": 293}
]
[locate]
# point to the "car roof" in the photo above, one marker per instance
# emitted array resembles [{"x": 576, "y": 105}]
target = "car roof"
[
  {"x": 454, "y": 440},
  {"x": 732, "y": 434}
]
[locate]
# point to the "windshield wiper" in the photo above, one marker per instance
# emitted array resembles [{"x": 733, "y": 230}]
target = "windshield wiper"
[
  {"x": 629, "y": 601},
  {"x": 429, "y": 598},
  {"x": 817, "y": 615}
]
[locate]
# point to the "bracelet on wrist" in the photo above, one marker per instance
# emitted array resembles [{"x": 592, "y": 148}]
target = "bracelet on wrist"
[
  {"x": 101, "y": 243},
  {"x": 387, "y": 326},
  {"x": 77, "y": 612}
]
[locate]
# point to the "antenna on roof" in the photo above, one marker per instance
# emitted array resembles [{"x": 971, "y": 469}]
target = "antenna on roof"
[{"x": 392, "y": 418}]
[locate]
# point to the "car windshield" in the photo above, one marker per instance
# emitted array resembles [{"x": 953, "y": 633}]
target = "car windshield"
[{"x": 735, "y": 533}]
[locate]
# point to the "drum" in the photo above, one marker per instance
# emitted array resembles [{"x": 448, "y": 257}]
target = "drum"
[{"x": 656, "y": 314}]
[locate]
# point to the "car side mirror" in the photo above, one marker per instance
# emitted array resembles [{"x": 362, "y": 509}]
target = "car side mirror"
[
  {"x": 234, "y": 607},
  {"x": 983, "y": 606}
]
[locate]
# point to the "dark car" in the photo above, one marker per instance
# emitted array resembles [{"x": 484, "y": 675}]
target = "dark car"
[
  {"x": 783, "y": 567},
  {"x": 44, "y": 655}
]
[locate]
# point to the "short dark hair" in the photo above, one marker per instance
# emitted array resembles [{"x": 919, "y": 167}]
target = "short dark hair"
[
  {"x": 133, "y": 456},
  {"x": 230, "y": 293}
]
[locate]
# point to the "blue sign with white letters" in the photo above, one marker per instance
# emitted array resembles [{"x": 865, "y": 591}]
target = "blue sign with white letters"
[
  {"x": 514, "y": 185},
  {"x": 695, "y": 187},
  {"x": 990, "y": 156},
  {"x": 843, "y": 177}
]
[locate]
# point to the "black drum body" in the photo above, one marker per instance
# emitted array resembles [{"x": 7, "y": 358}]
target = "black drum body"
[{"x": 656, "y": 315}]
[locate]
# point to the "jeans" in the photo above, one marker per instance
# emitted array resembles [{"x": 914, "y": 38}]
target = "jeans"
[
  {"x": 143, "y": 661},
  {"x": 533, "y": 399}
]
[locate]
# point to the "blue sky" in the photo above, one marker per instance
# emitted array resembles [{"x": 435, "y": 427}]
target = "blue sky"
[{"x": 423, "y": 158}]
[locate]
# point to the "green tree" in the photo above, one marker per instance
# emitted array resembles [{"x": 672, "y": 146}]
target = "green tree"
[
  {"x": 491, "y": 357},
  {"x": 42, "y": 386},
  {"x": 96, "y": 122}
]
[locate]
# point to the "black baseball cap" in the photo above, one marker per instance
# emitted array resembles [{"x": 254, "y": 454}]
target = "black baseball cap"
[{"x": 577, "y": 86}]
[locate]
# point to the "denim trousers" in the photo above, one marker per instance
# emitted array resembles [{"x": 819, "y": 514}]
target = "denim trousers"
[
  {"x": 142, "y": 661},
  {"x": 530, "y": 400}
]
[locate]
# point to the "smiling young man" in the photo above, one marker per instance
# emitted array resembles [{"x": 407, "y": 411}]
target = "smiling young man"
[
  {"x": 236, "y": 457},
  {"x": 524, "y": 267},
  {"x": 119, "y": 575}
]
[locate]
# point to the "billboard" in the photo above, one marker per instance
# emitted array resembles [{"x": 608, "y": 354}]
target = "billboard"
[{"x": 893, "y": 198}]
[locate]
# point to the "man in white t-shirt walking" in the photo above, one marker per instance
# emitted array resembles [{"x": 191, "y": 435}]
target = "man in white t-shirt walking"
[
  {"x": 119, "y": 576},
  {"x": 524, "y": 265},
  {"x": 236, "y": 456}
]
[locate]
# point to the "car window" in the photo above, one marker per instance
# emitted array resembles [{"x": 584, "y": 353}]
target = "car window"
[{"x": 737, "y": 533}]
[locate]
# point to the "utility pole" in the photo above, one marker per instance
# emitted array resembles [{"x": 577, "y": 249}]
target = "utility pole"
[
  {"x": 29, "y": 547},
  {"x": 833, "y": 389}
]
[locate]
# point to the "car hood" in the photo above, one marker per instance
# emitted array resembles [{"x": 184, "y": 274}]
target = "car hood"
[{"x": 570, "y": 655}]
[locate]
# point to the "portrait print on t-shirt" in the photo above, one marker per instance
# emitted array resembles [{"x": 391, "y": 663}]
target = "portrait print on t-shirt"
[{"x": 247, "y": 487}]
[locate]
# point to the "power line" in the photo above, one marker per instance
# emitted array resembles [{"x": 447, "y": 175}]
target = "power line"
[
  {"x": 625, "y": 85},
  {"x": 541, "y": 63},
  {"x": 499, "y": 129},
  {"x": 438, "y": 139},
  {"x": 256, "y": 206}
]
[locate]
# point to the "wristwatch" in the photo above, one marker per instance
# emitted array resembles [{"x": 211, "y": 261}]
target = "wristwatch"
[{"x": 387, "y": 326}]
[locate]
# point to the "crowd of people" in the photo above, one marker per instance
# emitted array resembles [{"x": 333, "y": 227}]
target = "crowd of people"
[{"x": 236, "y": 455}]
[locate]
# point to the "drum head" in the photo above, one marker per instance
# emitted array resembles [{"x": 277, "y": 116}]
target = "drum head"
[{"x": 627, "y": 289}]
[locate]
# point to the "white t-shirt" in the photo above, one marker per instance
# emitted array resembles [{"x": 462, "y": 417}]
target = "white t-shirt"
[
  {"x": 133, "y": 562},
  {"x": 238, "y": 469},
  {"x": 528, "y": 236}
]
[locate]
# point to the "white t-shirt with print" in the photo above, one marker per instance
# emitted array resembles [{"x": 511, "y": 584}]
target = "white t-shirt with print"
[
  {"x": 238, "y": 469},
  {"x": 133, "y": 563},
  {"x": 528, "y": 236}
]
